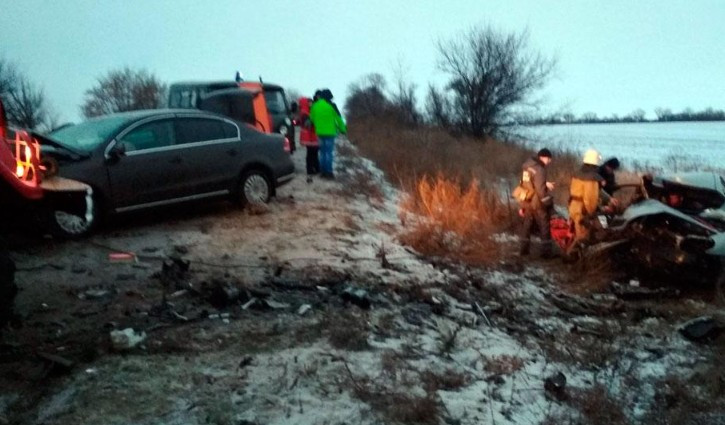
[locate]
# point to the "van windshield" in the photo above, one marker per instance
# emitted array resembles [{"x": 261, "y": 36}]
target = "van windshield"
[{"x": 275, "y": 102}]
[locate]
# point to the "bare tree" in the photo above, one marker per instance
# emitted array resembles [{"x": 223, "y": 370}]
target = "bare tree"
[
  {"x": 367, "y": 98},
  {"x": 123, "y": 90},
  {"x": 438, "y": 108},
  {"x": 491, "y": 72},
  {"x": 25, "y": 104},
  {"x": 402, "y": 97}
]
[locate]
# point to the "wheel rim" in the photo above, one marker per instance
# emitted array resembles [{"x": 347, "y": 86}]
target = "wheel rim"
[
  {"x": 256, "y": 189},
  {"x": 70, "y": 223}
]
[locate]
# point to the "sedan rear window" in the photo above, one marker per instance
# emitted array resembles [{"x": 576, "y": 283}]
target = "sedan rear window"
[{"x": 192, "y": 130}]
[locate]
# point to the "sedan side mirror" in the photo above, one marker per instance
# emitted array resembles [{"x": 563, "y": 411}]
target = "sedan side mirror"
[
  {"x": 294, "y": 107},
  {"x": 117, "y": 151}
]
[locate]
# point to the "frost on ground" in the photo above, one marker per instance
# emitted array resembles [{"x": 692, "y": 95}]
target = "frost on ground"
[{"x": 310, "y": 312}]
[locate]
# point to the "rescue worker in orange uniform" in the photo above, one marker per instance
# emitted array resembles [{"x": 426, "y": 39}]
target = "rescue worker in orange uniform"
[{"x": 585, "y": 195}]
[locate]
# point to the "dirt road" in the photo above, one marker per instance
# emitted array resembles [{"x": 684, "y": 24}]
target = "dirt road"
[{"x": 310, "y": 312}]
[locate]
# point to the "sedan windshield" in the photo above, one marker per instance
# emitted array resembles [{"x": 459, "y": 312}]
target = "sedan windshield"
[{"x": 88, "y": 135}]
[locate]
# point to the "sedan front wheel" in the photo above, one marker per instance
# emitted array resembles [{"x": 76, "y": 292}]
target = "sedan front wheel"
[{"x": 76, "y": 224}]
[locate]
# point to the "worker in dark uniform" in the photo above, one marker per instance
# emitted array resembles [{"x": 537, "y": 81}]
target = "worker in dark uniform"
[
  {"x": 537, "y": 208},
  {"x": 606, "y": 170}
]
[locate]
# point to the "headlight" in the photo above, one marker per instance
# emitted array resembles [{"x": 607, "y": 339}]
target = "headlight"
[{"x": 283, "y": 130}]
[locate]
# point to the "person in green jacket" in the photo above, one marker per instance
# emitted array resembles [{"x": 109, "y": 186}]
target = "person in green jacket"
[{"x": 328, "y": 124}]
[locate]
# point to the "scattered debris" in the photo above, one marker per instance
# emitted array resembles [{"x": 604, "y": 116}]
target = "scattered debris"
[
  {"x": 224, "y": 294},
  {"x": 636, "y": 292},
  {"x": 304, "y": 308},
  {"x": 480, "y": 310},
  {"x": 121, "y": 257},
  {"x": 246, "y": 361},
  {"x": 555, "y": 387},
  {"x": 276, "y": 305},
  {"x": 126, "y": 339},
  {"x": 181, "y": 249},
  {"x": 94, "y": 294},
  {"x": 701, "y": 329},
  {"x": 57, "y": 360},
  {"x": 357, "y": 296}
]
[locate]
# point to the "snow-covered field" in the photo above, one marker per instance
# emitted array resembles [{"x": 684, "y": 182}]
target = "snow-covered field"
[{"x": 666, "y": 145}]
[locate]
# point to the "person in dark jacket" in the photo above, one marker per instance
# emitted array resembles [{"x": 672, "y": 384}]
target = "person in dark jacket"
[
  {"x": 537, "y": 210},
  {"x": 607, "y": 170}
]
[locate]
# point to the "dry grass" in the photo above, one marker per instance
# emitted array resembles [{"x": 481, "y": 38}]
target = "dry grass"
[
  {"x": 406, "y": 154},
  {"x": 445, "y": 218}
]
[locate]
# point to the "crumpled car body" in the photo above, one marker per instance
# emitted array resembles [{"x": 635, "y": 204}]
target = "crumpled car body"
[{"x": 680, "y": 227}]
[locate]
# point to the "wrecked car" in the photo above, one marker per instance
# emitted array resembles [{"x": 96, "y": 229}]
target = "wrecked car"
[
  {"x": 678, "y": 228},
  {"x": 143, "y": 159}
]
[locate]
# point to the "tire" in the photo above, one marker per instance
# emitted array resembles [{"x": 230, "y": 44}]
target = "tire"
[
  {"x": 254, "y": 188},
  {"x": 67, "y": 225}
]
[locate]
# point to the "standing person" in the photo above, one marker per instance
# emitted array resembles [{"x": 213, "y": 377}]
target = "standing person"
[
  {"x": 328, "y": 123},
  {"x": 585, "y": 194},
  {"x": 308, "y": 138},
  {"x": 537, "y": 207},
  {"x": 607, "y": 170}
]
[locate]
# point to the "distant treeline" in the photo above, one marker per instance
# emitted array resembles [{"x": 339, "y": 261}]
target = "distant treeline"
[{"x": 638, "y": 115}]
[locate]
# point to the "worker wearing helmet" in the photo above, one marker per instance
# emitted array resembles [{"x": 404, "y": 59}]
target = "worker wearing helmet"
[{"x": 585, "y": 195}]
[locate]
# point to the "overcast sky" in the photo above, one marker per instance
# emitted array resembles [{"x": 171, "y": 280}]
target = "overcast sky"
[{"x": 614, "y": 55}]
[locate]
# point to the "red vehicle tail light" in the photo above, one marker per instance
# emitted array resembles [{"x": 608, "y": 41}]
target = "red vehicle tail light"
[{"x": 27, "y": 152}]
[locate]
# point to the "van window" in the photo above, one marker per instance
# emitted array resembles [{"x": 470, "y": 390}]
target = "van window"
[{"x": 182, "y": 98}]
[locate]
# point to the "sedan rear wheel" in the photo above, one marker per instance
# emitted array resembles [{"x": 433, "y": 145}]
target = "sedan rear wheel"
[{"x": 254, "y": 188}]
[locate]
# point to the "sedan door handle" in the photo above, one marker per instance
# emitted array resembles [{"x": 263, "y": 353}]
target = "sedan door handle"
[{"x": 175, "y": 160}]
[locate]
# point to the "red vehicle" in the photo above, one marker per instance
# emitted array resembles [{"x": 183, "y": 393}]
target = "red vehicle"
[
  {"x": 19, "y": 179},
  {"x": 20, "y": 171}
]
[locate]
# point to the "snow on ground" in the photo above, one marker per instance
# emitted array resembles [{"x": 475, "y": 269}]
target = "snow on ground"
[{"x": 439, "y": 344}]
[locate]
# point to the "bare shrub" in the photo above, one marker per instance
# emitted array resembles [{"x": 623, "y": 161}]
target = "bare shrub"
[
  {"x": 504, "y": 365},
  {"x": 685, "y": 402},
  {"x": 599, "y": 407},
  {"x": 448, "y": 380},
  {"x": 347, "y": 332},
  {"x": 449, "y": 220}
]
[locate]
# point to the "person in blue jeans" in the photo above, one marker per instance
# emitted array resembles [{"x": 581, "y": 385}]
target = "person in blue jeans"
[{"x": 328, "y": 124}]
